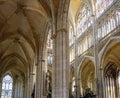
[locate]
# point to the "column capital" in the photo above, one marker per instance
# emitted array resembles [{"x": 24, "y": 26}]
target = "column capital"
[
  {"x": 53, "y": 36},
  {"x": 101, "y": 68},
  {"x": 42, "y": 60},
  {"x": 62, "y": 30},
  {"x": 32, "y": 73}
]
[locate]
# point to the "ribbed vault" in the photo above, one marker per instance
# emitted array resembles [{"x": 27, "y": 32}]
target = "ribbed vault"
[{"x": 23, "y": 31}]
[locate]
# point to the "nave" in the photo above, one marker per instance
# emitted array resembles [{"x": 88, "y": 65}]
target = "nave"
[{"x": 59, "y": 48}]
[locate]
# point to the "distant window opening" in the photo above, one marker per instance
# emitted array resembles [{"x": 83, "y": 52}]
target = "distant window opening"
[{"x": 7, "y": 86}]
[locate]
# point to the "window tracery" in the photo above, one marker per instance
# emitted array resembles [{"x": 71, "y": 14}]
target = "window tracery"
[
  {"x": 101, "y": 6},
  {"x": 49, "y": 41},
  {"x": 112, "y": 81},
  {"x": 49, "y": 47},
  {"x": 7, "y": 86},
  {"x": 84, "y": 19}
]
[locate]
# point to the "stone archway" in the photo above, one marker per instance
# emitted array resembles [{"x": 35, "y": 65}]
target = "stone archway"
[
  {"x": 86, "y": 75},
  {"x": 111, "y": 70}
]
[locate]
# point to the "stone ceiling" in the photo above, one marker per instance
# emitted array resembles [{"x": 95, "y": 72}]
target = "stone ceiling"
[
  {"x": 24, "y": 25},
  {"x": 23, "y": 31}
]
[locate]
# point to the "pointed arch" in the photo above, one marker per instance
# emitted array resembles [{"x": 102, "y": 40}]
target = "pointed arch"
[
  {"x": 83, "y": 18},
  {"x": 103, "y": 52},
  {"x": 86, "y": 74},
  {"x": 90, "y": 58},
  {"x": 7, "y": 86}
]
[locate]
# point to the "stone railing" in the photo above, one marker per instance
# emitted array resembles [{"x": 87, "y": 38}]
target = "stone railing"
[{"x": 108, "y": 24}]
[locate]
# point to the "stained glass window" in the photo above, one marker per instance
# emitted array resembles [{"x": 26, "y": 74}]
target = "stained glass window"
[
  {"x": 7, "y": 85},
  {"x": 49, "y": 41},
  {"x": 84, "y": 19},
  {"x": 101, "y": 6}
]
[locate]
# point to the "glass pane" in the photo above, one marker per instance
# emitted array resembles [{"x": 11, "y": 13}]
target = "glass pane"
[
  {"x": 7, "y": 87},
  {"x": 101, "y": 6},
  {"x": 84, "y": 20}
]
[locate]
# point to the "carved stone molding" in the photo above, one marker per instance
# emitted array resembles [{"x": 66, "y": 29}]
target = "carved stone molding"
[
  {"x": 62, "y": 30},
  {"x": 42, "y": 60},
  {"x": 53, "y": 36}
]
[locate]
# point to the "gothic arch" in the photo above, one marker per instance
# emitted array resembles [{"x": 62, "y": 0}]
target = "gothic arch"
[
  {"x": 86, "y": 74},
  {"x": 110, "y": 66},
  {"x": 112, "y": 43},
  {"x": 88, "y": 3},
  {"x": 7, "y": 86},
  {"x": 90, "y": 58}
]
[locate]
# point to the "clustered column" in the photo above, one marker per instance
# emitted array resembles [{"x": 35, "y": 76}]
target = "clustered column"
[
  {"x": 18, "y": 89},
  {"x": 38, "y": 79},
  {"x": 40, "y": 91},
  {"x": 109, "y": 83},
  {"x": 61, "y": 70}
]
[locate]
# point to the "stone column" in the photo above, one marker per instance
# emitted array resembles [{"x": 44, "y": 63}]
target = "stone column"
[
  {"x": 98, "y": 75},
  {"x": 17, "y": 87},
  {"x": 78, "y": 88},
  {"x": 108, "y": 87},
  {"x": 44, "y": 84},
  {"x": 61, "y": 68},
  {"x": 112, "y": 83},
  {"x": 0, "y": 87},
  {"x": 28, "y": 86},
  {"x": 53, "y": 69},
  {"x": 13, "y": 89},
  {"x": 31, "y": 83},
  {"x": 25, "y": 87},
  {"x": 40, "y": 80},
  {"x": 24, "y": 91},
  {"x": 14, "y": 92},
  {"x": 105, "y": 87},
  {"x": 77, "y": 84}
]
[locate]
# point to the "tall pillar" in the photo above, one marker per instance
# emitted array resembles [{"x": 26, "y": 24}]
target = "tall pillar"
[
  {"x": 77, "y": 82},
  {"x": 40, "y": 80},
  {"x": 44, "y": 83},
  {"x": 0, "y": 87},
  {"x": 105, "y": 90},
  {"x": 78, "y": 88},
  {"x": 108, "y": 87},
  {"x": 24, "y": 91},
  {"x": 13, "y": 89},
  {"x": 17, "y": 89},
  {"x": 53, "y": 69},
  {"x": 31, "y": 83},
  {"x": 98, "y": 85},
  {"x": 61, "y": 68},
  {"x": 26, "y": 87},
  {"x": 14, "y": 93}
]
